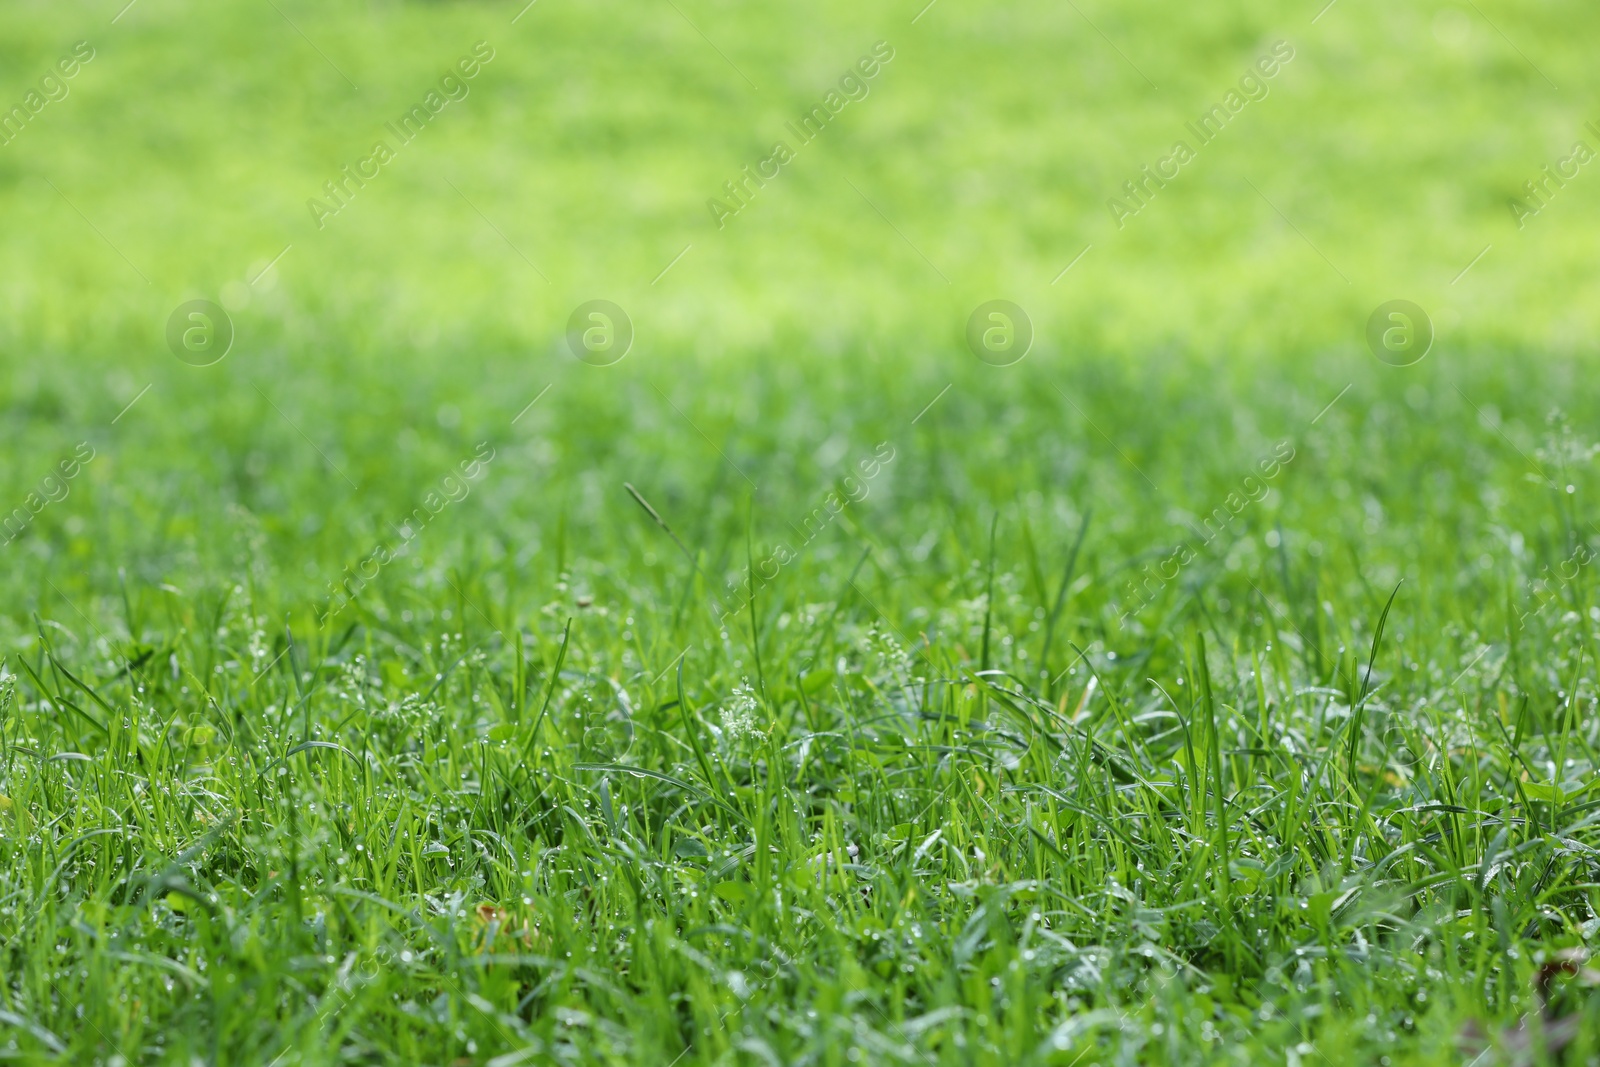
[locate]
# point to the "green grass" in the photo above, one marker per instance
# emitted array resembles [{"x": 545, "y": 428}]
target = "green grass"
[{"x": 1022, "y": 751}]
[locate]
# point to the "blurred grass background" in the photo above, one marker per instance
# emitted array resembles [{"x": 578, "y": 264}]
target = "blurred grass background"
[
  {"x": 1390, "y": 144},
  {"x": 424, "y": 316}
]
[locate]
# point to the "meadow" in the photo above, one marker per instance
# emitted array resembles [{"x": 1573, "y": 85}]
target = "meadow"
[{"x": 524, "y": 540}]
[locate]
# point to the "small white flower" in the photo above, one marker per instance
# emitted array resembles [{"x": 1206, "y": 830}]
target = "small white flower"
[{"x": 739, "y": 713}]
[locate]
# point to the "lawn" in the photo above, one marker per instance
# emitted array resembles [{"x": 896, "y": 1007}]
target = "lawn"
[{"x": 708, "y": 533}]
